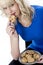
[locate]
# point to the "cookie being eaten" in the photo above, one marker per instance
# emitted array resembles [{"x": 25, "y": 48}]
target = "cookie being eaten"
[{"x": 12, "y": 18}]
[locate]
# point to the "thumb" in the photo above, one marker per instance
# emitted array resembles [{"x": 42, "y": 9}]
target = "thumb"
[{"x": 40, "y": 60}]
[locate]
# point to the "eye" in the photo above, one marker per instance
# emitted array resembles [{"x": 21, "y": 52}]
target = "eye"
[
  {"x": 12, "y": 4},
  {"x": 5, "y": 8}
]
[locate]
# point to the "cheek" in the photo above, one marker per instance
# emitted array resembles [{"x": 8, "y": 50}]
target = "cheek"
[
  {"x": 15, "y": 8},
  {"x": 7, "y": 12},
  {"x": 18, "y": 9}
]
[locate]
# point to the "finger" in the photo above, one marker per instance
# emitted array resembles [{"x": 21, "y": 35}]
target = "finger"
[
  {"x": 11, "y": 27},
  {"x": 12, "y": 32},
  {"x": 9, "y": 23},
  {"x": 12, "y": 23},
  {"x": 40, "y": 60}
]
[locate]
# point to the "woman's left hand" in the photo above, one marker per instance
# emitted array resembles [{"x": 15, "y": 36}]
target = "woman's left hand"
[{"x": 40, "y": 59}]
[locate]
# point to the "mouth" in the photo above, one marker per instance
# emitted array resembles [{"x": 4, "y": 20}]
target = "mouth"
[{"x": 13, "y": 14}]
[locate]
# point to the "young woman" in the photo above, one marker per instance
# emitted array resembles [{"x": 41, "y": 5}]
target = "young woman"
[{"x": 28, "y": 24}]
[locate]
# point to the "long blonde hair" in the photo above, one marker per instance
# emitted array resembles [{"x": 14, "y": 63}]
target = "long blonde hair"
[{"x": 26, "y": 10}]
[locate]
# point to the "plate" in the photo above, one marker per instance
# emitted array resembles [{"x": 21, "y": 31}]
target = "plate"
[{"x": 28, "y": 57}]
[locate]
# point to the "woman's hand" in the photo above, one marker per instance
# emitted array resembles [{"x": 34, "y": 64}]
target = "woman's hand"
[
  {"x": 10, "y": 29},
  {"x": 10, "y": 26},
  {"x": 40, "y": 59}
]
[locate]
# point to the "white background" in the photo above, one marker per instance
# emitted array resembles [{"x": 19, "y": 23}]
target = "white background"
[{"x": 5, "y": 55}]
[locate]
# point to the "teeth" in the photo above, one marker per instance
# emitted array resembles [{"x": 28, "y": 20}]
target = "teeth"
[{"x": 12, "y": 18}]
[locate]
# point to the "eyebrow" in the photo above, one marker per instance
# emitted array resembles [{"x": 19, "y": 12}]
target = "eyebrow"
[
  {"x": 9, "y": 5},
  {"x": 4, "y": 7}
]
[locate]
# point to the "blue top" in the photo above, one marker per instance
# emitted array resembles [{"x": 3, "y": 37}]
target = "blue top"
[{"x": 33, "y": 32}]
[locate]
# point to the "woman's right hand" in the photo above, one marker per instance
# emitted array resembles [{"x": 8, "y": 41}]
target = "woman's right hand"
[{"x": 10, "y": 29}]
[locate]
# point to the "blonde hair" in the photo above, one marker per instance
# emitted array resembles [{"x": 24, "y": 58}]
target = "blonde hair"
[{"x": 26, "y": 10}]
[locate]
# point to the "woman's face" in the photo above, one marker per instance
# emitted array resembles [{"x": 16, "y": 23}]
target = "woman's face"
[{"x": 13, "y": 9}]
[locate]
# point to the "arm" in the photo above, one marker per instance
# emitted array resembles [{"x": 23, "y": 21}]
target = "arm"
[
  {"x": 15, "y": 45},
  {"x": 14, "y": 39}
]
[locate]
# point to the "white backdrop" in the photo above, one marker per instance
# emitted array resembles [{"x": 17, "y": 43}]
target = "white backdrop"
[{"x": 5, "y": 56}]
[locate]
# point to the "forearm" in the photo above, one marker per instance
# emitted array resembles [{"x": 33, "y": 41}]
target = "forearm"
[{"x": 15, "y": 47}]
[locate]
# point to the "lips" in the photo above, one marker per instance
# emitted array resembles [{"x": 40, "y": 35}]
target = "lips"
[{"x": 13, "y": 14}]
